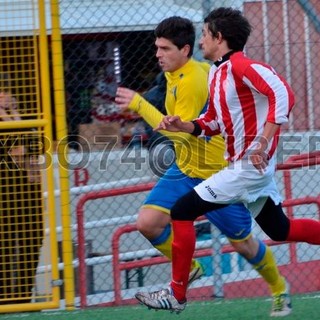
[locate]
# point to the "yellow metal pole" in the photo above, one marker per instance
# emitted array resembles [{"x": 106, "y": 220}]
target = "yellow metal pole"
[
  {"x": 23, "y": 124},
  {"x": 46, "y": 106},
  {"x": 61, "y": 127}
]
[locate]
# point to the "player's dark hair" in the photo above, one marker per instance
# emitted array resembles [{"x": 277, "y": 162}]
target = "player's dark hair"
[
  {"x": 232, "y": 25},
  {"x": 180, "y": 31}
]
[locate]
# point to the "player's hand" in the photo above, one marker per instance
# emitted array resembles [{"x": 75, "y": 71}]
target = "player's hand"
[
  {"x": 170, "y": 123},
  {"x": 124, "y": 97},
  {"x": 259, "y": 159}
]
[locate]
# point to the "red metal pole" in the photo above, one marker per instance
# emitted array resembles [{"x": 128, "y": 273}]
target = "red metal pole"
[
  {"x": 116, "y": 261},
  {"x": 81, "y": 231}
]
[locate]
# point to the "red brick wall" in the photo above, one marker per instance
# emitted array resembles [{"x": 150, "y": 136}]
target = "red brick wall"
[{"x": 273, "y": 41}]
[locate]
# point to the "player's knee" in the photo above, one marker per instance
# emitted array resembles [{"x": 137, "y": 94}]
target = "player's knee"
[
  {"x": 246, "y": 248},
  {"x": 142, "y": 227},
  {"x": 150, "y": 222}
]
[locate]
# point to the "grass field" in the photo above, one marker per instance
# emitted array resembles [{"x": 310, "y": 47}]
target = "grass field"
[{"x": 305, "y": 307}]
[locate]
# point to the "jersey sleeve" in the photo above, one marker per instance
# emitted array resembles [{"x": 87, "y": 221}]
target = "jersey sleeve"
[
  {"x": 208, "y": 122},
  {"x": 152, "y": 115},
  {"x": 278, "y": 92}
]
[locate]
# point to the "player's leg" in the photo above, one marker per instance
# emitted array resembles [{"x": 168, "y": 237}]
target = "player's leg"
[
  {"x": 183, "y": 214},
  {"x": 264, "y": 263},
  {"x": 218, "y": 191},
  {"x": 235, "y": 222},
  {"x": 279, "y": 227},
  {"x": 261, "y": 258},
  {"x": 154, "y": 221},
  {"x": 155, "y": 225},
  {"x": 193, "y": 204},
  {"x": 173, "y": 298}
]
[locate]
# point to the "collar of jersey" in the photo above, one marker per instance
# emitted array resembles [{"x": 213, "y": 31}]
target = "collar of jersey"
[
  {"x": 224, "y": 58},
  {"x": 179, "y": 73}
]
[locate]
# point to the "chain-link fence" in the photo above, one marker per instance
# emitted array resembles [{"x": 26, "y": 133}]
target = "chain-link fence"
[
  {"x": 101, "y": 38},
  {"x": 28, "y": 258},
  {"x": 114, "y": 158}
]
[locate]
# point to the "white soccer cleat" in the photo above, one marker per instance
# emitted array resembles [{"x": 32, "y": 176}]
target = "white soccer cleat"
[{"x": 161, "y": 300}]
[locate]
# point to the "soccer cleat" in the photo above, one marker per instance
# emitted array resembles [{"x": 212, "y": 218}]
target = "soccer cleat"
[
  {"x": 196, "y": 273},
  {"x": 281, "y": 305},
  {"x": 161, "y": 300}
]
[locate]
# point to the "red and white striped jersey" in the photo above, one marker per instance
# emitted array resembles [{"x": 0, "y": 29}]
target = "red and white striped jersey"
[{"x": 244, "y": 95}]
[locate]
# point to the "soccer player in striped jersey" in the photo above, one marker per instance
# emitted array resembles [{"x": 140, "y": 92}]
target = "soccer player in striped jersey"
[
  {"x": 248, "y": 104},
  {"x": 187, "y": 95}
]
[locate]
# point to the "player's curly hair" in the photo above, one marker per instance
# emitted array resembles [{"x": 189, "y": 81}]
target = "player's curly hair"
[
  {"x": 180, "y": 31},
  {"x": 231, "y": 24}
]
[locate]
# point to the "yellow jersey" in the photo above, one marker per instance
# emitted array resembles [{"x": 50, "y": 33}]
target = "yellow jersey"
[{"x": 187, "y": 96}]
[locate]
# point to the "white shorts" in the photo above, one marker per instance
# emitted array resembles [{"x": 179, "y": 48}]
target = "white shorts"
[{"x": 241, "y": 182}]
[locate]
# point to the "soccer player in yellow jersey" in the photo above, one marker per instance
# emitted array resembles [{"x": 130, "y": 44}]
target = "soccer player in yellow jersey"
[{"x": 196, "y": 159}]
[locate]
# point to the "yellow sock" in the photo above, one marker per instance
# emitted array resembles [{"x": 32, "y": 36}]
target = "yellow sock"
[
  {"x": 166, "y": 246},
  {"x": 166, "y": 249},
  {"x": 268, "y": 269}
]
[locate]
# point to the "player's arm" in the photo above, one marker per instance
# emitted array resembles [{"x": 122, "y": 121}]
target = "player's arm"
[
  {"x": 129, "y": 99},
  {"x": 267, "y": 82},
  {"x": 176, "y": 124},
  {"x": 205, "y": 125}
]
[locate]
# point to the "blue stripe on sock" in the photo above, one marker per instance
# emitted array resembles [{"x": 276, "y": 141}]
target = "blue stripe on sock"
[
  {"x": 163, "y": 236},
  {"x": 260, "y": 254}
]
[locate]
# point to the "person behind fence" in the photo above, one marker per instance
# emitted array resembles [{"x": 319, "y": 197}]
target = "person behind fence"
[
  {"x": 156, "y": 96},
  {"x": 187, "y": 95},
  {"x": 21, "y": 215},
  {"x": 249, "y": 102}
]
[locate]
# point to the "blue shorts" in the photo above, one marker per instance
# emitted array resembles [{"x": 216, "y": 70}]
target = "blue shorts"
[{"x": 234, "y": 221}]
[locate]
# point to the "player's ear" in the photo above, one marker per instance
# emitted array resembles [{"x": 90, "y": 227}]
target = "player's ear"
[
  {"x": 186, "y": 50},
  {"x": 219, "y": 37}
]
